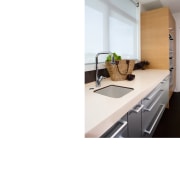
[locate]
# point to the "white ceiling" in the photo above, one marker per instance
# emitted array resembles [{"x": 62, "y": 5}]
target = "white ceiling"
[{"x": 174, "y": 5}]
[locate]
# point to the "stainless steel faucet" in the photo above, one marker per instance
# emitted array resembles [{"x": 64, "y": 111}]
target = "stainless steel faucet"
[{"x": 99, "y": 79}]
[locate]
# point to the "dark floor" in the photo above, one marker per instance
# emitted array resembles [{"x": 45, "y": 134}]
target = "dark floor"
[{"x": 169, "y": 125}]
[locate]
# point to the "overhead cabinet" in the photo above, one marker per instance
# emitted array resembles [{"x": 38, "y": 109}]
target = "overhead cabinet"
[{"x": 158, "y": 41}]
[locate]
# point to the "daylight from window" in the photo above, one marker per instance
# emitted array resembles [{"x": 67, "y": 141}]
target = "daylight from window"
[{"x": 111, "y": 25}]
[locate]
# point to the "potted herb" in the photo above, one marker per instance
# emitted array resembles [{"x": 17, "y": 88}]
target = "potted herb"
[{"x": 116, "y": 58}]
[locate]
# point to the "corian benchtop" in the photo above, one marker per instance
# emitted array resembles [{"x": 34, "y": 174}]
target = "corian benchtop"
[{"x": 101, "y": 112}]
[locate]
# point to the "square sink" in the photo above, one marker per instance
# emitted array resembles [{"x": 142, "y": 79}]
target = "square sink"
[{"x": 114, "y": 91}]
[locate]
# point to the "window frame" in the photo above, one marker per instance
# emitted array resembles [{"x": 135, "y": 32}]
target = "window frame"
[{"x": 101, "y": 65}]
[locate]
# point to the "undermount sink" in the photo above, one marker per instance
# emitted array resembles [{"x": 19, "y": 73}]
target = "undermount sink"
[{"x": 114, "y": 91}]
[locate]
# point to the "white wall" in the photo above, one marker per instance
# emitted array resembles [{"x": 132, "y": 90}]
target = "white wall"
[{"x": 177, "y": 19}]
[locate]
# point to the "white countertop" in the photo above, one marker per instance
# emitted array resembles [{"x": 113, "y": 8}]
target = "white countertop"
[{"x": 101, "y": 112}]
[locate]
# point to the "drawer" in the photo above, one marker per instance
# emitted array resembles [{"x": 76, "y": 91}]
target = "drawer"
[
  {"x": 150, "y": 111},
  {"x": 164, "y": 85},
  {"x": 150, "y": 101},
  {"x": 154, "y": 106},
  {"x": 149, "y": 124},
  {"x": 118, "y": 130}
]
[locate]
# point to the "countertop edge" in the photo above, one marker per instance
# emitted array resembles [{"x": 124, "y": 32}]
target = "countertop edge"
[{"x": 104, "y": 125}]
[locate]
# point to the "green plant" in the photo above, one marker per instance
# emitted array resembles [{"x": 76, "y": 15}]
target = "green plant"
[{"x": 116, "y": 57}]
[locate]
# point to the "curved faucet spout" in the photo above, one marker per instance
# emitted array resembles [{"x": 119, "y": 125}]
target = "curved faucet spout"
[{"x": 99, "y": 79}]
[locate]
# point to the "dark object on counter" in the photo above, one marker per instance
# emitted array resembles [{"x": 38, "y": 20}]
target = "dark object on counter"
[
  {"x": 141, "y": 65},
  {"x": 130, "y": 77}
]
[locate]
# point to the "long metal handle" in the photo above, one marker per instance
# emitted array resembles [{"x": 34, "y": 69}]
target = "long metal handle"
[
  {"x": 166, "y": 79},
  {"x": 157, "y": 118},
  {"x": 154, "y": 103},
  {"x": 162, "y": 82},
  {"x": 138, "y": 110},
  {"x": 124, "y": 123},
  {"x": 153, "y": 94}
]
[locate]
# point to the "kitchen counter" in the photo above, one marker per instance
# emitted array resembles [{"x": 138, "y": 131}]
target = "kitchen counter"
[{"x": 101, "y": 112}]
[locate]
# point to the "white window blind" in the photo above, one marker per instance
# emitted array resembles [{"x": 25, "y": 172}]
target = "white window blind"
[{"x": 111, "y": 25}]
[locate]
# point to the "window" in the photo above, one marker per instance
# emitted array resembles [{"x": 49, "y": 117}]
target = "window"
[{"x": 111, "y": 25}]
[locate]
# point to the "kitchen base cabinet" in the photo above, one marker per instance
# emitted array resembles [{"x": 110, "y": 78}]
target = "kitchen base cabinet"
[
  {"x": 154, "y": 106},
  {"x": 145, "y": 116},
  {"x": 142, "y": 119}
]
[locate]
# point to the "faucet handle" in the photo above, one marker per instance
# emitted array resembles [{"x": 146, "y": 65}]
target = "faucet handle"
[
  {"x": 101, "y": 78},
  {"x": 112, "y": 59},
  {"x": 98, "y": 81}
]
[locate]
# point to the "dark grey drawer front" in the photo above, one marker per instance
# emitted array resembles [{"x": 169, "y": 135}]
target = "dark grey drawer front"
[
  {"x": 134, "y": 121},
  {"x": 147, "y": 117},
  {"x": 149, "y": 126}
]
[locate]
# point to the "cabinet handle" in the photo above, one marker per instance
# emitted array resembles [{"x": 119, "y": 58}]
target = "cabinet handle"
[
  {"x": 153, "y": 94},
  {"x": 124, "y": 123},
  {"x": 157, "y": 118},
  {"x": 162, "y": 82},
  {"x": 154, "y": 103},
  {"x": 165, "y": 80},
  {"x": 138, "y": 110}
]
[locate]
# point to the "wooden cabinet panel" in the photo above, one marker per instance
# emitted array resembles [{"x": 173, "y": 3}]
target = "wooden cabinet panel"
[{"x": 156, "y": 25}]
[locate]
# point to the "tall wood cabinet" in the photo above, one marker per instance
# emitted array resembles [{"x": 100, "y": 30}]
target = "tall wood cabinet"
[{"x": 158, "y": 41}]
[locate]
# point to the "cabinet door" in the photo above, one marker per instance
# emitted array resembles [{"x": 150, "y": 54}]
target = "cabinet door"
[
  {"x": 154, "y": 38},
  {"x": 134, "y": 121}
]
